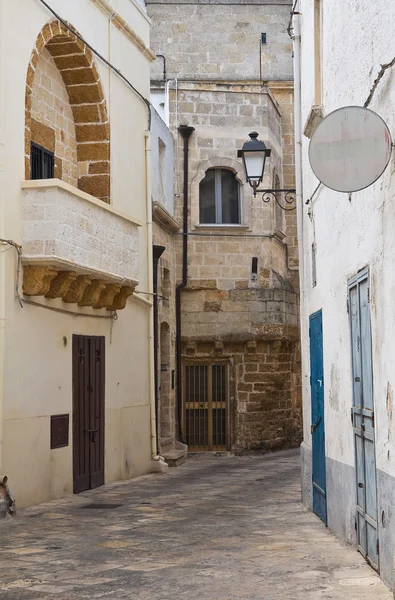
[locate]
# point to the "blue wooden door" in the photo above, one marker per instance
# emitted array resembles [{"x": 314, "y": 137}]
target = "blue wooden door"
[
  {"x": 363, "y": 417},
  {"x": 317, "y": 416}
]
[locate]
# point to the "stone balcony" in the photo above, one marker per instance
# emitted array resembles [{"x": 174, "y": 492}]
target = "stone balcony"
[{"x": 76, "y": 247}]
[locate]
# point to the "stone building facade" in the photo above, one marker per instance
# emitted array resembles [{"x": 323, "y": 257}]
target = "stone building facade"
[
  {"x": 76, "y": 391},
  {"x": 229, "y": 72}
]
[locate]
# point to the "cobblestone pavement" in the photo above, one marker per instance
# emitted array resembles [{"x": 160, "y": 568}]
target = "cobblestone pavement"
[{"x": 217, "y": 528}]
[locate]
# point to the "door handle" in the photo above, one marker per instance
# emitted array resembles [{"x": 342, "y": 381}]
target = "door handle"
[
  {"x": 93, "y": 432},
  {"x": 314, "y": 427}
]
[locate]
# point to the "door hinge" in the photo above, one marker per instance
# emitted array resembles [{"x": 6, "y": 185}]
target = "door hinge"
[
  {"x": 355, "y": 524},
  {"x": 373, "y": 420},
  {"x": 352, "y": 416},
  {"x": 348, "y": 307},
  {"x": 377, "y": 548}
]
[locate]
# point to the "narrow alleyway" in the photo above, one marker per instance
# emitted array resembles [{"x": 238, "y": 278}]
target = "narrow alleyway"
[{"x": 218, "y": 528}]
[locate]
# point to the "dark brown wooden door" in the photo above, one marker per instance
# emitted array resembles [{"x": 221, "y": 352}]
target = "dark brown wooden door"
[{"x": 88, "y": 412}]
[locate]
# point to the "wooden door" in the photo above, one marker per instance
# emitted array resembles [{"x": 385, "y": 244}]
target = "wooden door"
[
  {"x": 88, "y": 412},
  {"x": 318, "y": 416},
  {"x": 363, "y": 418},
  {"x": 206, "y": 406}
]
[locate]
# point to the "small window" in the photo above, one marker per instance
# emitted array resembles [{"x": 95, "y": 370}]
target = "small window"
[
  {"x": 41, "y": 163},
  {"x": 219, "y": 198}
]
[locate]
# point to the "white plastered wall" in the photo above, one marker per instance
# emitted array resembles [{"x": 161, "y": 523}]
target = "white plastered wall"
[{"x": 37, "y": 366}]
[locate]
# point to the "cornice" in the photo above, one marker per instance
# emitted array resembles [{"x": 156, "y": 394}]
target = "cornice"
[
  {"x": 164, "y": 218},
  {"x": 120, "y": 23}
]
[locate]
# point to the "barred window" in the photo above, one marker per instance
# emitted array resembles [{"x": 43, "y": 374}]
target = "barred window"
[{"x": 41, "y": 162}]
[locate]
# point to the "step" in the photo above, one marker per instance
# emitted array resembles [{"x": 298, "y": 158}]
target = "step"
[{"x": 175, "y": 458}]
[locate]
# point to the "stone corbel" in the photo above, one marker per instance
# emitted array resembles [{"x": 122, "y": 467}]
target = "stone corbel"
[
  {"x": 37, "y": 279},
  {"x": 121, "y": 298},
  {"x": 76, "y": 290},
  {"x": 92, "y": 293},
  {"x": 108, "y": 295},
  {"x": 60, "y": 285}
]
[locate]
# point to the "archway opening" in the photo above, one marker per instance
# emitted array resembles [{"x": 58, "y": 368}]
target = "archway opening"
[{"x": 81, "y": 146}]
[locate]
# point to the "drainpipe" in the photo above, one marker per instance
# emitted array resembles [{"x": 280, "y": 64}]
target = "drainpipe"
[
  {"x": 3, "y": 255},
  {"x": 186, "y": 133},
  {"x": 157, "y": 253},
  {"x": 299, "y": 198},
  {"x": 298, "y": 146}
]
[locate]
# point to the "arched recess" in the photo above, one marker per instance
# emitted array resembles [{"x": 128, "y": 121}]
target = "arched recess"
[
  {"x": 76, "y": 66},
  {"x": 166, "y": 415}
]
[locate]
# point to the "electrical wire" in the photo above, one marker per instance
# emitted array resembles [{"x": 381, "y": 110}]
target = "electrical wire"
[
  {"x": 22, "y": 300},
  {"x": 293, "y": 12},
  {"x": 113, "y": 315},
  {"x": 18, "y": 249},
  {"x": 379, "y": 77},
  {"x": 101, "y": 57}
]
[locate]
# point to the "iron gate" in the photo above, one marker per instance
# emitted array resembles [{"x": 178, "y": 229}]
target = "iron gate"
[{"x": 206, "y": 406}]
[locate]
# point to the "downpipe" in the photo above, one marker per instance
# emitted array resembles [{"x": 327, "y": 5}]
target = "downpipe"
[
  {"x": 296, "y": 36},
  {"x": 186, "y": 132}
]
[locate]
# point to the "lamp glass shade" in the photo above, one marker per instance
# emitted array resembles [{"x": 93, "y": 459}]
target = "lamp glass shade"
[{"x": 254, "y": 165}]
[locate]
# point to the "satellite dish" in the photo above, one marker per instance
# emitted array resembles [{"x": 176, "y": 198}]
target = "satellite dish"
[{"x": 350, "y": 149}]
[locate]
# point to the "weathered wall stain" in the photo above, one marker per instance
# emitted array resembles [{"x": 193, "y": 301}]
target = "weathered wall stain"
[
  {"x": 389, "y": 407},
  {"x": 334, "y": 388}
]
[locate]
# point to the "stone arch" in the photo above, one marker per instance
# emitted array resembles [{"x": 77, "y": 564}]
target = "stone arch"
[
  {"x": 225, "y": 163},
  {"x": 75, "y": 63}
]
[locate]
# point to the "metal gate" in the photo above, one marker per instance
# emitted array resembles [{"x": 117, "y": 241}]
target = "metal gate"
[
  {"x": 206, "y": 406},
  {"x": 363, "y": 417},
  {"x": 88, "y": 412},
  {"x": 317, "y": 416}
]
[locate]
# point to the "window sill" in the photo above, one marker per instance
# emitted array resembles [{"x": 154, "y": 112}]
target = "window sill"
[{"x": 222, "y": 226}]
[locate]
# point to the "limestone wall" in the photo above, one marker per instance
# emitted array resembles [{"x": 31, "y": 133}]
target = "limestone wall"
[
  {"x": 223, "y": 40},
  {"x": 52, "y": 118}
]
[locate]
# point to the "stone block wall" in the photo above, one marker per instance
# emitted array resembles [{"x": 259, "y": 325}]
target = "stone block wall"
[
  {"x": 222, "y": 40},
  {"x": 63, "y": 224},
  {"x": 236, "y": 314},
  {"x": 52, "y": 118},
  {"x": 264, "y": 387}
]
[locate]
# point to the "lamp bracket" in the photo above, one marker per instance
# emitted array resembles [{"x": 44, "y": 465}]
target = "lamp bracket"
[{"x": 289, "y": 196}]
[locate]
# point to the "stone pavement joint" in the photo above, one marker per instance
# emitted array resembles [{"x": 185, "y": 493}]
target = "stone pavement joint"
[{"x": 217, "y": 528}]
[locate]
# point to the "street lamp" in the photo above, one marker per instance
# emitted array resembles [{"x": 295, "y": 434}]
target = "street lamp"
[{"x": 254, "y": 154}]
